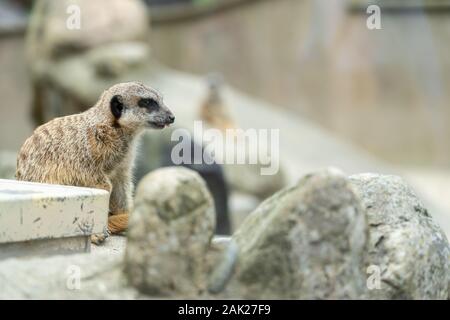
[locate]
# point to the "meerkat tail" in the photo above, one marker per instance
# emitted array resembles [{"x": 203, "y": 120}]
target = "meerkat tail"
[{"x": 118, "y": 223}]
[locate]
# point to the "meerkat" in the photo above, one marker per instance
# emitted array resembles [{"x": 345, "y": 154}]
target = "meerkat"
[
  {"x": 213, "y": 110},
  {"x": 96, "y": 148}
]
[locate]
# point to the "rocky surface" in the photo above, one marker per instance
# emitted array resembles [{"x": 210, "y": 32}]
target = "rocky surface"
[
  {"x": 327, "y": 237},
  {"x": 100, "y": 274},
  {"x": 113, "y": 245},
  {"x": 305, "y": 242},
  {"x": 409, "y": 248},
  {"x": 169, "y": 234},
  {"x": 309, "y": 241},
  {"x": 79, "y": 276}
]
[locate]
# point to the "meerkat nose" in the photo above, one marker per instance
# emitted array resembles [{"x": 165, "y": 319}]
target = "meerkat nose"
[{"x": 171, "y": 119}]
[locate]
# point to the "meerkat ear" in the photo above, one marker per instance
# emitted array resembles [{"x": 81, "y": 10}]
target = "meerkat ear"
[{"x": 116, "y": 106}]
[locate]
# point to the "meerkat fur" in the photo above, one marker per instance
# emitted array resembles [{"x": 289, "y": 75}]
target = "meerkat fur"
[
  {"x": 96, "y": 148},
  {"x": 213, "y": 111}
]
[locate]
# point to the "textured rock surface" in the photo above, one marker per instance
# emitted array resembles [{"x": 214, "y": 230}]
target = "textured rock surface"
[
  {"x": 314, "y": 240},
  {"x": 79, "y": 276},
  {"x": 100, "y": 274},
  {"x": 7, "y": 164},
  {"x": 169, "y": 234},
  {"x": 305, "y": 242},
  {"x": 411, "y": 251}
]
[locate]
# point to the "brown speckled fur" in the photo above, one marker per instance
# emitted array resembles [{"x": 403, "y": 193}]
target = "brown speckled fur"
[
  {"x": 95, "y": 148},
  {"x": 213, "y": 110}
]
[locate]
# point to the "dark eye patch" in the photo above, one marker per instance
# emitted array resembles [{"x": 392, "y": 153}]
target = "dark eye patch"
[{"x": 149, "y": 104}]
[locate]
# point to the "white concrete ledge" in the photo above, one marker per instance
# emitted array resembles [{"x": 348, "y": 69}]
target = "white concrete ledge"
[{"x": 35, "y": 212}]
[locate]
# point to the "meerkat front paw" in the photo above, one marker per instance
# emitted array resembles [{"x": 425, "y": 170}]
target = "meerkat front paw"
[{"x": 99, "y": 238}]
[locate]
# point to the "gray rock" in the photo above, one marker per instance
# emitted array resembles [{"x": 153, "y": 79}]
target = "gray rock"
[
  {"x": 78, "y": 276},
  {"x": 103, "y": 21},
  {"x": 305, "y": 242},
  {"x": 7, "y": 164},
  {"x": 169, "y": 234},
  {"x": 98, "y": 275},
  {"x": 247, "y": 179},
  {"x": 113, "y": 60},
  {"x": 410, "y": 251}
]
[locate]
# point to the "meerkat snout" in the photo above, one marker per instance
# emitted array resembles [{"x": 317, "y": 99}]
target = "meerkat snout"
[{"x": 158, "y": 114}]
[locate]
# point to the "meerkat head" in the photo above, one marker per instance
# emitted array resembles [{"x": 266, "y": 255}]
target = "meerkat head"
[
  {"x": 215, "y": 83},
  {"x": 134, "y": 106}
]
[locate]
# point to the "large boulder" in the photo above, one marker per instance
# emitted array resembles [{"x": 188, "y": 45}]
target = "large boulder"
[
  {"x": 305, "y": 242},
  {"x": 406, "y": 249},
  {"x": 309, "y": 242},
  {"x": 51, "y": 35},
  {"x": 169, "y": 234}
]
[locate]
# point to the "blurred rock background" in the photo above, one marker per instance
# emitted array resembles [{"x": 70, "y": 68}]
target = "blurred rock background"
[{"x": 382, "y": 89}]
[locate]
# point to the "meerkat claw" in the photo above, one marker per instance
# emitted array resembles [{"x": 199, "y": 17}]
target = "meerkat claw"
[{"x": 98, "y": 239}]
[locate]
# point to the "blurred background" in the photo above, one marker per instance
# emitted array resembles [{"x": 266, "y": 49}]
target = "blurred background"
[{"x": 341, "y": 94}]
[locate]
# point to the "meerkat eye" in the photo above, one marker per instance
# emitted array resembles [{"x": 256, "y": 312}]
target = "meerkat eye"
[
  {"x": 149, "y": 104},
  {"x": 116, "y": 106}
]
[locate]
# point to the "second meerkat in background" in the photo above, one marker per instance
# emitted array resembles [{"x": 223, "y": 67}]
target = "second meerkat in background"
[
  {"x": 96, "y": 148},
  {"x": 213, "y": 111}
]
